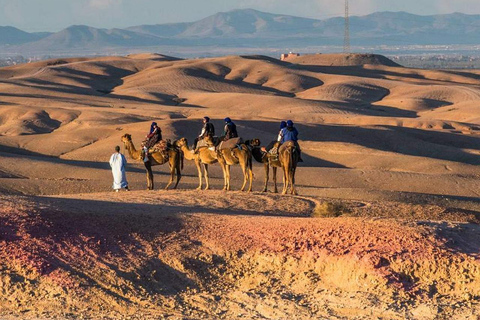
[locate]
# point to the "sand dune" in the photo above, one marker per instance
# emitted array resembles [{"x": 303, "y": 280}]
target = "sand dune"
[{"x": 378, "y": 140}]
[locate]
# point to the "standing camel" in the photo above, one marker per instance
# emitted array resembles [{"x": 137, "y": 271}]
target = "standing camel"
[
  {"x": 289, "y": 156},
  {"x": 204, "y": 156},
  {"x": 267, "y": 160},
  {"x": 174, "y": 160},
  {"x": 240, "y": 155}
]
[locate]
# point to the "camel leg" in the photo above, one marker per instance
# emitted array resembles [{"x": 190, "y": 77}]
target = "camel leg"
[
  {"x": 274, "y": 169},
  {"x": 285, "y": 180},
  {"x": 172, "y": 173},
  {"x": 223, "y": 165},
  {"x": 245, "y": 175},
  {"x": 207, "y": 179},
  {"x": 200, "y": 178},
  {"x": 148, "y": 167},
  {"x": 178, "y": 166},
  {"x": 250, "y": 174},
  {"x": 227, "y": 171},
  {"x": 292, "y": 181},
  {"x": 267, "y": 169}
]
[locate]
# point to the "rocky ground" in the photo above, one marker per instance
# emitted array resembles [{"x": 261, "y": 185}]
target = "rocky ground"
[{"x": 190, "y": 255}]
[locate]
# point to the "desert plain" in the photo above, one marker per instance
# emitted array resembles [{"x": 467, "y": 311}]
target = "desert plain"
[{"x": 385, "y": 226}]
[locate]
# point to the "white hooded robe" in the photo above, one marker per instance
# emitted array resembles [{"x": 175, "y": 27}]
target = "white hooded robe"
[{"x": 118, "y": 163}]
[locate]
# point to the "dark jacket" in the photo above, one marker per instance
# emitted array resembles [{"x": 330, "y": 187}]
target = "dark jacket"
[
  {"x": 230, "y": 131},
  {"x": 207, "y": 130},
  {"x": 290, "y": 134},
  {"x": 154, "y": 137}
]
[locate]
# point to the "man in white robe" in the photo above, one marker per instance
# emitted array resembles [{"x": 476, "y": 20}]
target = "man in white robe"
[{"x": 118, "y": 163}]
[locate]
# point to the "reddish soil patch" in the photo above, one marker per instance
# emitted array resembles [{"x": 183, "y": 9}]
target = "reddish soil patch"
[{"x": 162, "y": 255}]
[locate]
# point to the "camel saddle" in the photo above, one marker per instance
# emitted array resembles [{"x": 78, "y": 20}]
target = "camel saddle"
[
  {"x": 272, "y": 153},
  {"x": 230, "y": 143},
  {"x": 202, "y": 144},
  {"x": 161, "y": 146}
]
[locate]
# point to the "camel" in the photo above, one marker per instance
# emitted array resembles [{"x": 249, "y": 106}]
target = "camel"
[
  {"x": 267, "y": 161},
  {"x": 289, "y": 156},
  {"x": 175, "y": 161},
  {"x": 240, "y": 155},
  {"x": 204, "y": 156}
]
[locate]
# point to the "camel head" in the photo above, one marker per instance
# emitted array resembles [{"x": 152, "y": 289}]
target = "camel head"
[
  {"x": 255, "y": 142},
  {"x": 181, "y": 142},
  {"x": 126, "y": 138}
]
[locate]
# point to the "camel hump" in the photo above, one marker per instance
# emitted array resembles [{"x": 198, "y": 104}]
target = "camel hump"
[
  {"x": 230, "y": 143},
  {"x": 287, "y": 144}
]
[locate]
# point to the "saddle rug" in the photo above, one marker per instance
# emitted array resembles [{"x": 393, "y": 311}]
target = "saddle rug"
[
  {"x": 201, "y": 144},
  {"x": 230, "y": 143}
]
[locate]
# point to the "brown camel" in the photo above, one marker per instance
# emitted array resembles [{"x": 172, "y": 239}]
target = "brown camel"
[
  {"x": 204, "y": 156},
  {"x": 174, "y": 160},
  {"x": 289, "y": 155},
  {"x": 267, "y": 160},
  {"x": 240, "y": 155}
]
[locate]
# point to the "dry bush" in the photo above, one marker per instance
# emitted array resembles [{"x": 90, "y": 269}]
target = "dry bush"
[{"x": 328, "y": 209}]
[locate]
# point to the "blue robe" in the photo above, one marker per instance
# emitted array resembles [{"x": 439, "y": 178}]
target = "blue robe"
[{"x": 118, "y": 163}]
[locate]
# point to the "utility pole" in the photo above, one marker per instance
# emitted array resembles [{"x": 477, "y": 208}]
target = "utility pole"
[{"x": 346, "y": 40}]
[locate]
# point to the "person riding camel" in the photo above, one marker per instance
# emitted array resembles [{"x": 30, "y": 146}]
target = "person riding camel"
[
  {"x": 272, "y": 147},
  {"x": 290, "y": 133},
  {"x": 283, "y": 125},
  {"x": 153, "y": 137},
  {"x": 230, "y": 130},
  {"x": 208, "y": 130}
]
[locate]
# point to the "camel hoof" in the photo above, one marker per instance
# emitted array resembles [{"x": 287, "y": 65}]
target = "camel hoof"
[
  {"x": 264, "y": 190},
  {"x": 198, "y": 188},
  {"x": 207, "y": 188}
]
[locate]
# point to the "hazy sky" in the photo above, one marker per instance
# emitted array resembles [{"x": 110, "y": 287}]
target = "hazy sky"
[{"x": 54, "y": 15}]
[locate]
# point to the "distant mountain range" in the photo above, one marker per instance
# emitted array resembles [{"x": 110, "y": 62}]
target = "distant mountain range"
[{"x": 252, "y": 28}]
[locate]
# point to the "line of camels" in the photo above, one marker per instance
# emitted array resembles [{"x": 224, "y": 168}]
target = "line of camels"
[{"x": 242, "y": 155}]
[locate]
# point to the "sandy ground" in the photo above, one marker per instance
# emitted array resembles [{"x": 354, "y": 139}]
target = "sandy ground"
[{"x": 391, "y": 154}]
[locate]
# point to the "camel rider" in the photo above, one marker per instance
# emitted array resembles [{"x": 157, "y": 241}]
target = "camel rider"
[
  {"x": 283, "y": 125},
  {"x": 290, "y": 133},
  {"x": 272, "y": 147},
  {"x": 230, "y": 130},
  {"x": 154, "y": 136},
  {"x": 208, "y": 130}
]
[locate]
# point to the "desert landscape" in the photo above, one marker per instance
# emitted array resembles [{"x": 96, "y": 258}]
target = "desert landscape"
[{"x": 385, "y": 226}]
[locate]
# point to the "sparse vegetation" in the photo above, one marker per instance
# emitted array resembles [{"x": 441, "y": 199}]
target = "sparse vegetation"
[{"x": 328, "y": 210}]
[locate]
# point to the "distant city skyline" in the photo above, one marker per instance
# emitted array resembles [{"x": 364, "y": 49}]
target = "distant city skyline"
[{"x": 54, "y": 15}]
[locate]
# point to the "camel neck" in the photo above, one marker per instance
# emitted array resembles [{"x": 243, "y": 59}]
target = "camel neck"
[
  {"x": 134, "y": 154},
  {"x": 189, "y": 154}
]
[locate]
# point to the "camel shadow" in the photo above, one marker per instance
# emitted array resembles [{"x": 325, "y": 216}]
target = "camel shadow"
[{"x": 14, "y": 152}]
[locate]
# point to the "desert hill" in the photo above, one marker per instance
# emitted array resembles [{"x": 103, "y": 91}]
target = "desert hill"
[{"x": 392, "y": 159}]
